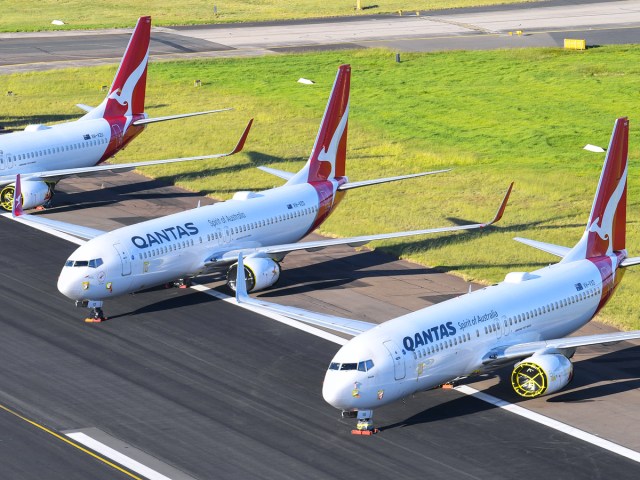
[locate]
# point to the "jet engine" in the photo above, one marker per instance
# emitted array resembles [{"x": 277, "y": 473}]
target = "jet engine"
[
  {"x": 541, "y": 375},
  {"x": 259, "y": 273},
  {"x": 34, "y": 194}
]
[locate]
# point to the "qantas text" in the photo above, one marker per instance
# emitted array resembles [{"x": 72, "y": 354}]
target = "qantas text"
[
  {"x": 425, "y": 337},
  {"x": 165, "y": 235}
]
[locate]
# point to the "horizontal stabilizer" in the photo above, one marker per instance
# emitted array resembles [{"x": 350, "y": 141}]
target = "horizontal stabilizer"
[
  {"x": 84, "y": 107},
  {"x": 557, "y": 250},
  {"x": 145, "y": 121},
  {"x": 523, "y": 350},
  {"x": 331, "y": 322},
  {"x": 630, "y": 262},
  {"x": 366, "y": 183},
  {"x": 277, "y": 173}
]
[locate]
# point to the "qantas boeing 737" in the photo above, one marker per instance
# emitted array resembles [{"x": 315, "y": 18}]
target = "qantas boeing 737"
[
  {"x": 263, "y": 225},
  {"x": 522, "y": 320},
  {"x": 44, "y": 155}
]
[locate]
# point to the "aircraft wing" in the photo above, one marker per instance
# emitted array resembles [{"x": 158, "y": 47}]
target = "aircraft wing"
[
  {"x": 558, "y": 345},
  {"x": 56, "y": 175},
  {"x": 38, "y": 222},
  {"x": 279, "y": 251},
  {"x": 331, "y": 322}
]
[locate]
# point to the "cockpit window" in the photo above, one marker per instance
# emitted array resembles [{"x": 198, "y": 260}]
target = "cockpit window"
[
  {"x": 360, "y": 366},
  {"x": 95, "y": 263},
  {"x": 348, "y": 366}
]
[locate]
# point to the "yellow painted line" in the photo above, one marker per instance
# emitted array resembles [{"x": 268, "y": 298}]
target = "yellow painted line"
[{"x": 73, "y": 444}]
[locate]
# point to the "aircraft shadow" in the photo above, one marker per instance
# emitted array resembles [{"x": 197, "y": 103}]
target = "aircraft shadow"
[
  {"x": 21, "y": 122},
  {"x": 619, "y": 369}
]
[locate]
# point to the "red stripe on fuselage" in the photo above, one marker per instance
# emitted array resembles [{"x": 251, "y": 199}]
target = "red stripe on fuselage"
[
  {"x": 117, "y": 124},
  {"x": 610, "y": 278},
  {"x": 327, "y": 200}
]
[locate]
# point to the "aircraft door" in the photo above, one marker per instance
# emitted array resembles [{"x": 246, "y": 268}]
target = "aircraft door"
[
  {"x": 399, "y": 369},
  {"x": 1, "y": 160},
  {"x": 506, "y": 325},
  {"x": 124, "y": 259}
]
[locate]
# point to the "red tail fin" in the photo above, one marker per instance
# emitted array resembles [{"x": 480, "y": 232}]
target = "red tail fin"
[
  {"x": 608, "y": 219},
  {"x": 606, "y": 228},
  {"x": 329, "y": 153},
  {"x": 16, "y": 207},
  {"x": 126, "y": 95}
]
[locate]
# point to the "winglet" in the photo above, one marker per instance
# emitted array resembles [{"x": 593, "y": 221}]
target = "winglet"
[
  {"x": 243, "y": 139},
  {"x": 502, "y": 208},
  {"x": 241, "y": 284},
  {"x": 16, "y": 207}
]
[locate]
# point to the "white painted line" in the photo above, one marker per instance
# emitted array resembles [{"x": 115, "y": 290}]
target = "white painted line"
[
  {"x": 116, "y": 456},
  {"x": 550, "y": 422},
  {"x": 274, "y": 316}
]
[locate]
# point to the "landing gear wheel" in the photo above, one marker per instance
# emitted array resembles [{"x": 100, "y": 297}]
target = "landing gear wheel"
[{"x": 6, "y": 197}]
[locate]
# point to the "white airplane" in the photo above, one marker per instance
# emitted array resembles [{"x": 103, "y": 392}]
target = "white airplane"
[
  {"x": 521, "y": 320},
  {"x": 44, "y": 155},
  {"x": 263, "y": 225}
]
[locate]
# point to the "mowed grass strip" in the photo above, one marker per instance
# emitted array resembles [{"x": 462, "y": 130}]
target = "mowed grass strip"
[
  {"x": 494, "y": 117},
  {"x": 21, "y": 16}
]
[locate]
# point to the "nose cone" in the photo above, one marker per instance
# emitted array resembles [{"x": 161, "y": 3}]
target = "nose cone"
[
  {"x": 338, "y": 390},
  {"x": 69, "y": 286}
]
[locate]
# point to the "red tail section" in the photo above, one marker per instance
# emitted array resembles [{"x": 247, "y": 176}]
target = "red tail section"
[
  {"x": 126, "y": 95},
  {"x": 606, "y": 229},
  {"x": 16, "y": 208},
  {"x": 329, "y": 154}
]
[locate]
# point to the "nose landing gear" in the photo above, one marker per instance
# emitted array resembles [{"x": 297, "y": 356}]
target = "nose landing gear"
[
  {"x": 365, "y": 423},
  {"x": 96, "y": 315}
]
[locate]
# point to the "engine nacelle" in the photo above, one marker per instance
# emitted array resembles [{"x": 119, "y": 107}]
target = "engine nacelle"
[
  {"x": 259, "y": 273},
  {"x": 541, "y": 375},
  {"x": 34, "y": 194}
]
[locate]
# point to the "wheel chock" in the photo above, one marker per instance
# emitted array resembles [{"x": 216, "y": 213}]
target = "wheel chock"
[{"x": 364, "y": 432}]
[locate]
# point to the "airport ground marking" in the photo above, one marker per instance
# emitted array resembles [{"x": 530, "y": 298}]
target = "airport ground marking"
[
  {"x": 69, "y": 442},
  {"x": 550, "y": 422},
  {"x": 115, "y": 455}
]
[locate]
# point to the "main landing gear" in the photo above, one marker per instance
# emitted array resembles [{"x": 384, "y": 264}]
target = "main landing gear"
[
  {"x": 96, "y": 315},
  {"x": 364, "y": 426}
]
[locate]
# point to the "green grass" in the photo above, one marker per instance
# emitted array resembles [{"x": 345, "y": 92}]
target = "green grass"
[
  {"x": 495, "y": 117},
  {"x": 18, "y": 15}
]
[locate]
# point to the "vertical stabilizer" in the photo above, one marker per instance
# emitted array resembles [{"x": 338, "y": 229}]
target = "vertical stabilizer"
[
  {"x": 16, "y": 206},
  {"x": 606, "y": 229},
  {"x": 127, "y": 92},
  {"x": 329, "y": 153}
]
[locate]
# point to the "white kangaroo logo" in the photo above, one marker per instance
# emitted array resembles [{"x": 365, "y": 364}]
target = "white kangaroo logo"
[
  {"x": 329, "y": 153},
  {"x": 123, "y": 95},
  {"x": 604, "y": 227}
]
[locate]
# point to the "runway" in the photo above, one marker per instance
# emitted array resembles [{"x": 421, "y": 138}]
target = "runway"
[
  {"x": 207, "y": 390},
  {"x": 183, "y": 386},
  {"x": 541, "y": 24}
]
